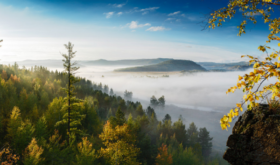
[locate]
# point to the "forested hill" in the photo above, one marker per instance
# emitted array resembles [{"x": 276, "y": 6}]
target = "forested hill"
[
  {"x": 108, "y": 129},
  {"x": 166, "y": 66},
  {"x": 128, "y": 62}
]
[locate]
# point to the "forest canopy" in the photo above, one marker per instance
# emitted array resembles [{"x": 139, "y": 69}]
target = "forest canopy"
[{"x": 104, "y": 128}]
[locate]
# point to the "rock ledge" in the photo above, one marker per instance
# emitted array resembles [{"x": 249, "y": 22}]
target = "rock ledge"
[{"x": 255, "y": 138}]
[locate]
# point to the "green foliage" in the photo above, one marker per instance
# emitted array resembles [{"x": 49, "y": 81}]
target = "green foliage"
[
  {"x": 161, "y": 101},
  {"x": 33, "y": 152},
  {"x": 205, "y": 142},
  {"x": 119, "y": 119},
  {"x": 37, "y": 92},
  {"x": 86, "y": 155},
  {"x": 55, "y": 151},
  {"x": 19, "y": 133},
  {"x": 166, "y": 118},
  {"x": 193, "y": 134},
  {"x": 183, "y": 156},
  {"x": 72, "y": 106},
  {"x": 153, "y": 101},
  {"x": 41, "y": 132}
]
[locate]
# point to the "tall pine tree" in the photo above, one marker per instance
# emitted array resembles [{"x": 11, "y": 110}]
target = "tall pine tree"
[
  {"x": 205, "y": 142},
  {"x": 73, "y": 105}
]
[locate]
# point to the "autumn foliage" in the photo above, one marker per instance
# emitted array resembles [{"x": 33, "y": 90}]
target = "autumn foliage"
[
  {"x": 32, "y": 153},
  {"x": 163, "y": 158},
  {"x": 7, "y": 157},
  {"x": 263, "y": 69},
  {"x": 86, "y": 152},
  {"x": 120, "y": 144}
]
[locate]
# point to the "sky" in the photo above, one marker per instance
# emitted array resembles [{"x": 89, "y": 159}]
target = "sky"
[{"x": 123, "y": 29}]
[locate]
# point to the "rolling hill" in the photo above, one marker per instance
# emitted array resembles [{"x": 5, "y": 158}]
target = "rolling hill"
[
  {"x": 127, "y": 62},
  {"x": 166, "y": 66}
]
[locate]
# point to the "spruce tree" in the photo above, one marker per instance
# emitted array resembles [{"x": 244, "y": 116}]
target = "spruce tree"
[
  {"x": 72, "y": 117},
  {"x": 205, "y": 141},
  {"x": 120, "y": 117},
  {"x": 111, "y": 92},
  {"x": 153, "y": 101},
  {"x": 161, "y": 101}
]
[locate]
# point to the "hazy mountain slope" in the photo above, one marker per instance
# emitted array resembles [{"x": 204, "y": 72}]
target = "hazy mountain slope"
[
  {"x": 225, "y": 66},
  {"x": 128, "y": 62},
  {"x": 166, "y": 66}
]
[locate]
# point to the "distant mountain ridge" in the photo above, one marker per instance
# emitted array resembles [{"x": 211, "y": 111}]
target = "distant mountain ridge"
[
  {"x": 166, "y": 66},
  {"x": 210, "y": 66},
  {"x": 127, "y": 62},
  {"x": 241, "y": 66}
]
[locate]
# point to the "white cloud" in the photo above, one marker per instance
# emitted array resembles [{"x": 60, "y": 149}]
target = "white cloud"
[
  {"x": 109, "y": 14},
  {"x": 144, "y": 13},
  {"x": 119, "y": 5},
  {"x": 135, "y": 25},
  {"x": 175, "y": 13},
  {"x": 253, "y": 14},
  {"x": 157, "y": 28},
  {"x": 183, "y": 15},
  {"x": 149, "y": 9},
  {"x": 170, "y": 19},
  {"x": 120, "y": 13},
  {"x": 33, "y": 35}
]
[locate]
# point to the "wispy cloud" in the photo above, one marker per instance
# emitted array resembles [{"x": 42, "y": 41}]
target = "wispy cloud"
[
  {"x": 170, "y": 19},
  {"x": 135, "y": 25},
  {"x": 120, "y": 13},
  {"x": 149, "y": 9},
  {"x": 175, "y": 13},
  {"x": 157, "y": 28},
  {"x": 109, "y": 14},
  {"x": 253, "y": 14},
  {"x": 143, "y": 11},
  {"x": 119, "y": 5}
]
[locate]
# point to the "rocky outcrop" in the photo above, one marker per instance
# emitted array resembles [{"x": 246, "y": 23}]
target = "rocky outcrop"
[{"x": 255, "y": 138}]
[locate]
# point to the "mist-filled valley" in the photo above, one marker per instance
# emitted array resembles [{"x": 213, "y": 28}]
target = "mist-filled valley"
[
  {"x": 121, "y": 82},
  {"x": 199, "y": 97}
]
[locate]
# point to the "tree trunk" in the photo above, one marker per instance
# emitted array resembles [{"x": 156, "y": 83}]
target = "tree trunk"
[{"x": 69, "y": 98}]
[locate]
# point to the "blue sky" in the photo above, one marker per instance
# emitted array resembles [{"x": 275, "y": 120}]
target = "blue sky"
[{"x": 128, "y": 29}]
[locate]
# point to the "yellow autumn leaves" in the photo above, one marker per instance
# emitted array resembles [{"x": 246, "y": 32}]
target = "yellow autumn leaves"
[
  {"x": 263, "y": 70},
  {"x": 228, "y": 118},
  {"x": 270, "y": 67}
]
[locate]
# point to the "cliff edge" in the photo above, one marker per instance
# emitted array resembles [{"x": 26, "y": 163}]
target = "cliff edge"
[{"x": 255, "y": 138}]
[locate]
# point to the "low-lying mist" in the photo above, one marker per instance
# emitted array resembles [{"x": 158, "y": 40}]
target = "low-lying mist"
[
  {"x": 201, "y": 89},
  {"x": 200, "y": 97}
]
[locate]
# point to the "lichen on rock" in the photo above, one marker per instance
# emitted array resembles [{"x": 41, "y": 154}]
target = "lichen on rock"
[{"x": 255, "y": 138}]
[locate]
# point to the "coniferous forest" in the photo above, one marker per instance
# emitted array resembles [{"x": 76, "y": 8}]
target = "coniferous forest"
[{"x": 55, "y": 118}]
